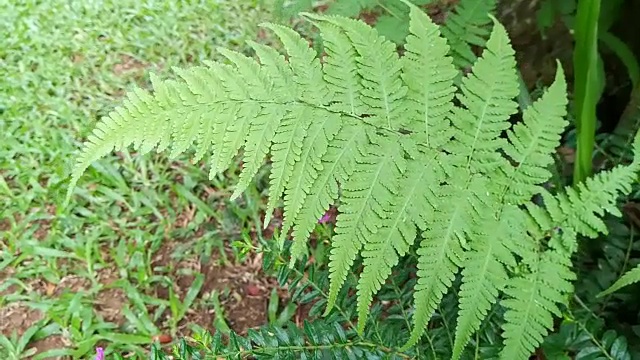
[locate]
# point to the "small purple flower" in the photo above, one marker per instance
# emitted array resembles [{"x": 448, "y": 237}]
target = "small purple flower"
[
  {"x": 99, "y": 353},
  {"x": 324, "y": 219}
]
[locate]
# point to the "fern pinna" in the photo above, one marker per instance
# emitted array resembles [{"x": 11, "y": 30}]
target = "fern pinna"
[{"x": 383, "y": 135}]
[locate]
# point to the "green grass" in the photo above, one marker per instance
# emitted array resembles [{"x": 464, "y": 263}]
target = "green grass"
[{"x": 62, "y": 65}]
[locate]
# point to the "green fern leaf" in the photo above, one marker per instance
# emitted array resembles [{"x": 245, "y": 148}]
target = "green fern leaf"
[
  {"x": 196, "y": 81},
  {"x": 534, "y": 298},
  {"x": 441, "y": 251},
  {"x": 487, "y": 100},
  {"x": 261, "y": 132},
  {"x": 120, "y": 129},
  {"x": 232, "y": 125},
  {"x": 286, "y": 151},
  {"x": 305, "y": 65},
  {"x": 532, "y": 143},
  {"x": 429, "y": 74},
  {"x": 488, "y": 104},
  {"x": 308, "y": 75},
  {"x": 468, "y": 25},
  {"x": 280, "y": 73},
  {"x": 630, "y": 277},
  {"x": 341, "y": 70},
  {"x": 484, "y": 274},
  {"x": 381, "y": 136},
  {"x": 338, "y": 165},
  {"x": 379, "y": 68},
  {"x": 580, "y": 208},
  {"x": 383, "y": 249},
  {"x": 367, "y": 196},
  {"x": 306, "y": 170}
]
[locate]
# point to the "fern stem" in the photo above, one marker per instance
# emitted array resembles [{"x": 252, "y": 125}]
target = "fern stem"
[
  {"x": 262, "y": 350},
  {"x": 477, "y": 352},
  {"x": 584, "y": 328},
  {"x": 396, "y": 289},
  {"x": 381, "y": 4},
  {"x": 446, "y": 325},
  {"x": 524, "y": 97},
  {"x": 623, "y": 269}
]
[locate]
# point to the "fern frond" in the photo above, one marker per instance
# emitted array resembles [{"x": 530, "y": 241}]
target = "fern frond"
[
  {"x": 468, "y": 25},
  {"x": 487, "y": 103},
  {"x": 261, "y": 132},
  {"x": 280, "y": 72},
  {"x": 533, "y": 300},
  {"x": 381, "y": 136},
  {"x": 127, "y": 125},
  {"x": 337, "y": 165},
  {"x": 305, "y": 66},
  {"x": 441, "y": 251},
  {"x": 232, "y": 124},
  {"x": 266, "y": 129},
  {"x": 306, "y": 170},
  {"x": 286, "y": 151},
  {"x": 429, "y": 74},
  {"x": 532, "y": 143},
  {"x": 484, "y": 274},
  {"x": 410, "y": 210},
  {"x": 248, "y": 85},
  {"x": 535, "y": 296},
  {"x": 341, "y": 70},
  {"x": 196, "y": 78},
  {"x": 366, "y": 199},
  {"x": 581, "y": 207},
  {"x": 530, "y": 146},
  {"x": 630, "y": 277},
  {"x": 379, "y": 67}
]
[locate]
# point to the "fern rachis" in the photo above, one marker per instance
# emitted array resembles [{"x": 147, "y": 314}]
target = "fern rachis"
[{"x": 381, "y": 135}]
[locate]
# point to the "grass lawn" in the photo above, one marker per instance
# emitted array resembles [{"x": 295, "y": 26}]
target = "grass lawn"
[{"x": 142, "y": 253}]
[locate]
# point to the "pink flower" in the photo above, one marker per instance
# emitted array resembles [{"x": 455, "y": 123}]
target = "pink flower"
[
  {"x": 99, "y": 353},
  {"x": 324, "y": 219}
]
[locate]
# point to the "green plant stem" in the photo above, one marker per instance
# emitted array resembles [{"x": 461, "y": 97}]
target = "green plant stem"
[
  {"x": 396, "y": 289},
  {"x": 524, "y": 98},
  {"x": 584, "y": 328},
  {"x": 243, "y": 353},
  {"x": 623, "y": 269},
  {"x": 585, "y": 59}
]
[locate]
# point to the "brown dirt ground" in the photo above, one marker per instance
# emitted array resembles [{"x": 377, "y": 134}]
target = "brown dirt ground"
[{"x": 248, "y": 290}]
